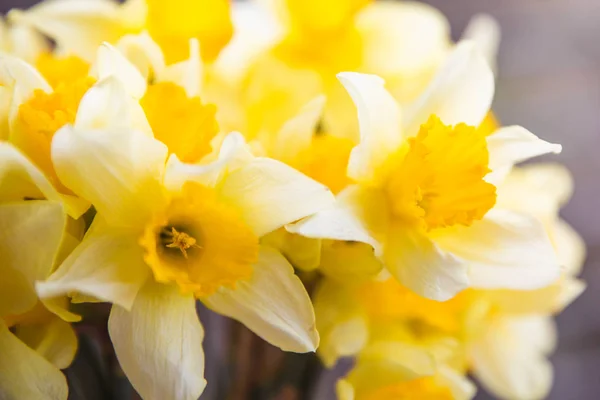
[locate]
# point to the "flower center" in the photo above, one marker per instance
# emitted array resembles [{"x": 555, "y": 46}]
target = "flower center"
[
  {"x": 183, "y": 123},
  {"x": 62, "y": 70},
  {"x": 199, "y": 243},
  {"x": 41, "y": 116},
  {"x": 438, "y": 181},
  {"x": 172, "y": 23}
]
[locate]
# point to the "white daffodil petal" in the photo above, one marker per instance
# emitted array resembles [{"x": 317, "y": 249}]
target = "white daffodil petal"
[
  {"x": 24, "y": 374},
  {"x": 460, "y": 386},
  {"x": 20, "y": 179},
  {"x": 107, "y": 105},
  {"x": 570, "y": 247},
  {"x": 144, "y": 53},
  {"x": 234, "y": 152},
  {"x": 271, "y": 194},
  {"x": 110, "y": 62},
  {"x": 388, "y": 31},
  {"x": 273, "y": 303},
  {"x": 379, "y": 123},
  {"x": 14, "y": 70},
  {"x": 505, "y": 250},
  {"x": 77, "y": 27},
  {"x": 462, "y": 91},
  {"x": 116, "y": 170},
  {"x": 513, "y": 144},
  {"x": 510, "y": 358},
  {"x": 108, "y": 265},
  {"x": 56, "y": 341},
  {"x": 159, "y": 344},
  {"x": 419, "y": 264},
  {"x": 188, "y": 73},
  {"x": 358, "y": 215},
  {"x": 297, "y": 134},
  {"x": 484, "y": 31},
  {"x": 29, "y": 225}
]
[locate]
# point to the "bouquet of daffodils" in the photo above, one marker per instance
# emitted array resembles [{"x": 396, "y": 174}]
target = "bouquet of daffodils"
[{"x": 328, "y": 173}]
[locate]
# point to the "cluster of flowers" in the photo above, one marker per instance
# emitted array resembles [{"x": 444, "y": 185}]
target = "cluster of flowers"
[{"x": 369, "y": 168}]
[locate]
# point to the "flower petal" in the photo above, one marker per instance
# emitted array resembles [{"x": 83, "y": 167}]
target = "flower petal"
[
  {"x": 159, "y": 344},
  {"x": 27, "y": 225},
  {"x": 513, "y": 144},
  {"x": 462, "y": 91},
  {"x": 144, "y": 53},
  {"x": 110, "y": 62},
  {"x": 358, "y": 215},
  {"x": 18, "y": 295},
  {"x": 188, "y": 73},
  {"x": 108, "y": 265},
  {"x": 24, "y": 374},
  {"x": 379, "y": 123},
  {"x": 20, "y": 179},
  {"x": 297, "y": 134},
  {"x": 388, "y": 31},
  {"x": 234, "y": 152},
  {"x": 126, "y": 166},
  {"x": 420, "y": 265},
  {"x": 271, "y": 194},
  {"x": 107, "y": 105},
  {"x": 505, "y": 250},
  {"x": 484, "y": 31},
  {"x": 273, "y": 303},
  {"x": 510, "y": 358},
  {"x": 76, "y": 27},
  {"x": 55, "y": 341}
]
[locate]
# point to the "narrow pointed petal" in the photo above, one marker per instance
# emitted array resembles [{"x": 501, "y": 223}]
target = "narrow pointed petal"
[
  {"x": 110, "y": 62},
  {"x": 271, "y": 194},
  {"x": 484, "y": 31},
  {"x": 108, "y": 265},
  {"x": 159, "y": 344},
  {"x": 462, "y": 91},
  {"x": 24, "y": 374},
  {"x": 505, "y": 250},
  {"x": 273, "y": 303},
  {"x": 379, "y": 124},
  {"x": 422, "y": 266},
  {"x": 358, "y": 215}
]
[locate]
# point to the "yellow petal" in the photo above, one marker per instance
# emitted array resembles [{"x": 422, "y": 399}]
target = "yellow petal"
[
  {"x": 271, "y": 194},
  {"x": 159, "y": 344},
  {"x": 24, "y": 374},
  {"x": 503, "y": 246},
  {"x": 27, "y": 225},
  {"x": 118, "y": 171},
  {"x": 510, "y": 358},
  {"x": 302, "y": 252},
  {"x": 108, "y": 265},
  {"x": 187, "y": 73},
  {"x": 273, "y": 303},
  {"x": 462, "y": 91},
  {"x": 18, "y": 295},
  {"x": 349, "y": 261},
  {"x": 379, "y": 123},
  {"x": 55, "y": 341}
]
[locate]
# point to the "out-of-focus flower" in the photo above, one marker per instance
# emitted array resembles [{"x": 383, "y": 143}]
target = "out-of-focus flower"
[
  {"x": 424, "y": 197},
  {"x": 167, "y": 234},
  {"x": 36, "y": 341},
  {"x": 79, "y": 28}
]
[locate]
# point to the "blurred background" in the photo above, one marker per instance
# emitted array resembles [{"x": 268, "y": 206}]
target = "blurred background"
[{"x": 549, "y": 82}]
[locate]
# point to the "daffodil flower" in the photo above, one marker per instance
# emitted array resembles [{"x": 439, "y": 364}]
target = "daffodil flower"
[
  {"x": 424, "y": 194},
  {"x": 36, "y": 341},
  {"x": 79, "y": 28},
  {"x": 167, "y": 234}
]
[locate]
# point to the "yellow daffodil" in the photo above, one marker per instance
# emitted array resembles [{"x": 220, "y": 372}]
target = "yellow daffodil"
[
  {"x": 168, "y": 233},
  {"x": 36, "y": 341},
  {"x": 424, "y": 192},
  {"x": 79, "y": 28}
]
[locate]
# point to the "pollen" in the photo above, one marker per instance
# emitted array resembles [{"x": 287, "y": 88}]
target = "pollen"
[
  {"x": 180, "y": 240},
  {"x": 182, "y": 123},
  {"x": 439, "y": 181}
]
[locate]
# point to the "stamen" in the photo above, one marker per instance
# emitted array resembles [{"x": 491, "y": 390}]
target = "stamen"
[{"x": 180, "y": 240}]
